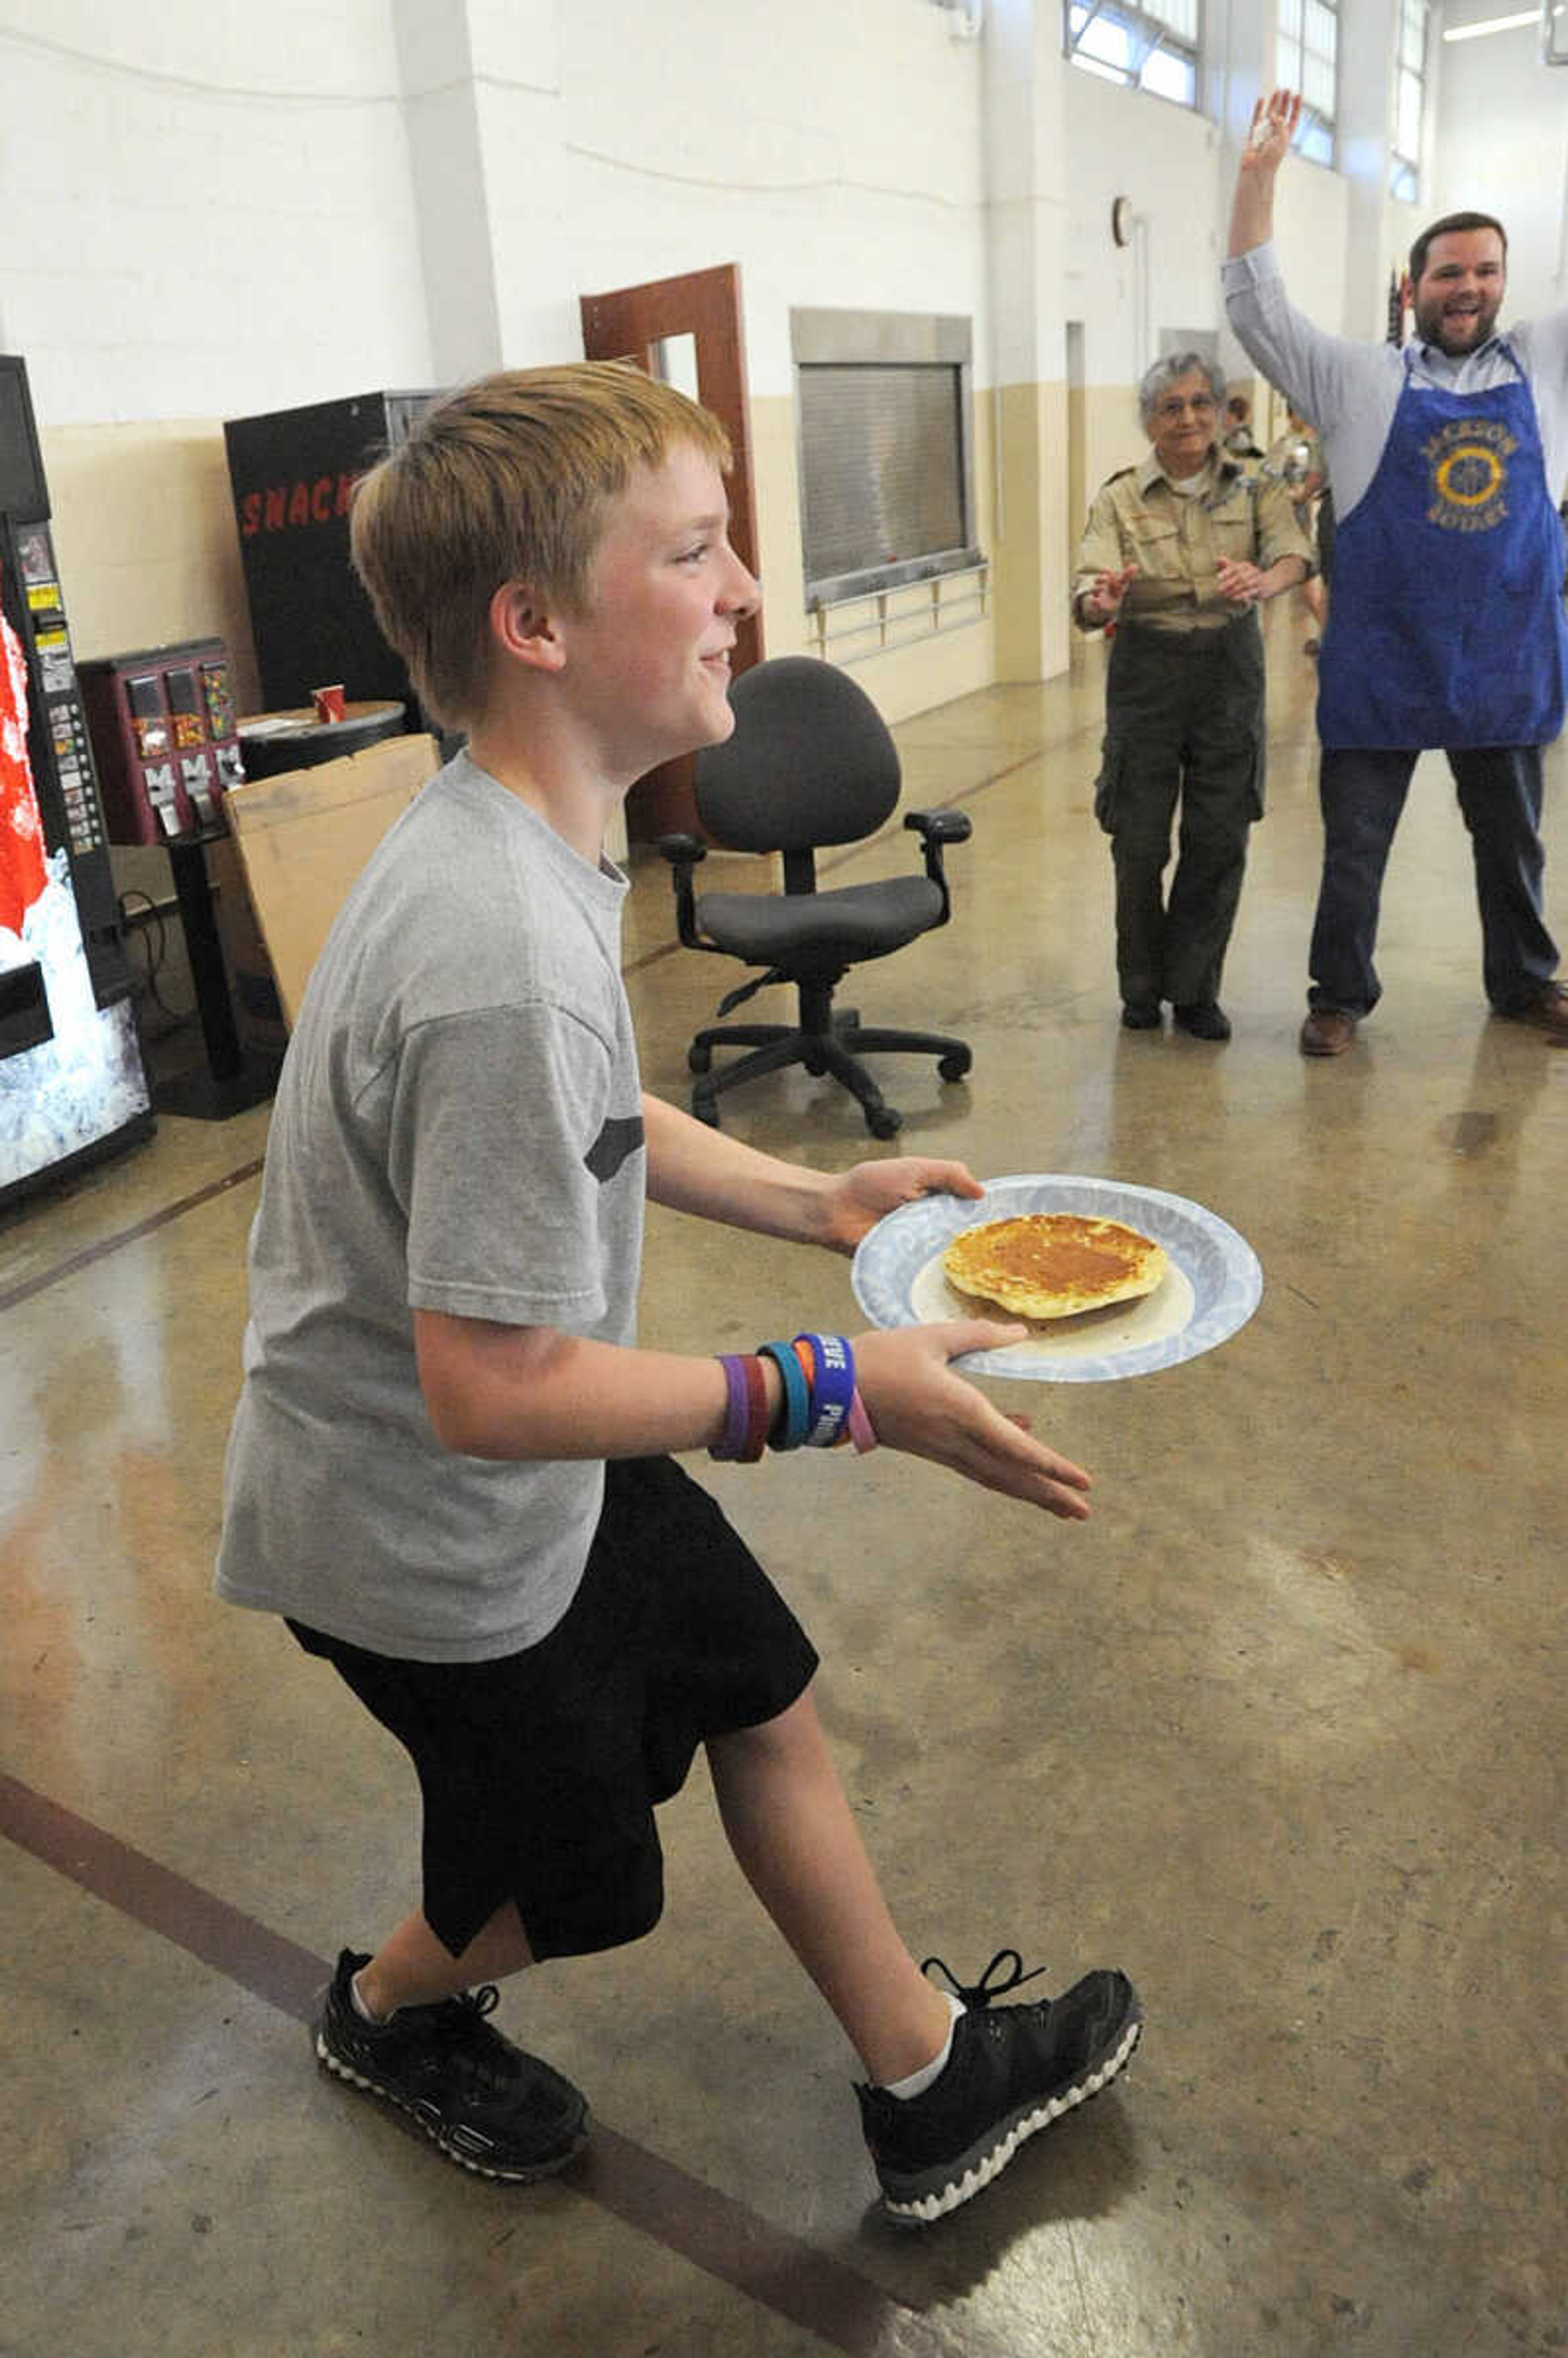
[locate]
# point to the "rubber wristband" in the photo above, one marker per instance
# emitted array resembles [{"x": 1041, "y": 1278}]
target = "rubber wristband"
[
  {"x": 834, "y": 1388},
  {"x": 737, "y": 1408},
  {"x": 759, "y": 1412},
  {"x": 861, "y": 1432},
  {"x": 796, "y": 1418},
  {"x": 807, "y": 1358}
]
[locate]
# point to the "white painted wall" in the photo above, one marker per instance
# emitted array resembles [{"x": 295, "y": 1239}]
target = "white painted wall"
[
  {"x": 1501, "y": 147},
  {"x": 1164, "y": 157},
  {"x": 206, "y": 207},
  {"x": 211, "y": 209},
  {"x": 832, "y": 151},
  {"x": 1311, "y": 212}
]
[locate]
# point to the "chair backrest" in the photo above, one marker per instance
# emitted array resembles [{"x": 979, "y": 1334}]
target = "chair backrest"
[{"x": 811, "y": 762}]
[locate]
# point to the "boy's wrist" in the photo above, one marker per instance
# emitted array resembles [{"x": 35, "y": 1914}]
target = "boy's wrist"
[{"x": 789, "y": 1396}]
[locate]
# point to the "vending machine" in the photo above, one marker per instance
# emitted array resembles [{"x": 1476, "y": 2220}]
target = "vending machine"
[
  {"x": 72, "y": 1082},
  {"x": 166, "y": 741},
  {"x": 292, "y": 472},
  {"x": 165, "y": 737}
]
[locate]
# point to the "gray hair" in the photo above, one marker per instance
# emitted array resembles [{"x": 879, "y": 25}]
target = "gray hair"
[{"x": 1157, "y": 381}]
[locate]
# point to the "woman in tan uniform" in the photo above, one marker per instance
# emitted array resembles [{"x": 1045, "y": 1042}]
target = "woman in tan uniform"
[{"x": 1176, "y": 558}]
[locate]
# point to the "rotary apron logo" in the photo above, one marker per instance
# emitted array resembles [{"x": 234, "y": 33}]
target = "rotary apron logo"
[{"x": 1469, "y": 474}]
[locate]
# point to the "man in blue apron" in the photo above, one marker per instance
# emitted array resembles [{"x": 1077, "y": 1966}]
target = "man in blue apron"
[{"x": 1446, "y": 627}]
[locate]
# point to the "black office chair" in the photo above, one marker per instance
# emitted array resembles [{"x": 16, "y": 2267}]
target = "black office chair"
[{"x": 810, "y": 764}]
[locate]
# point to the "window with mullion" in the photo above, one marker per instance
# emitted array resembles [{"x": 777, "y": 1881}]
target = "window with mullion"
[
  {"x": 1306, "y": 57},
  {"x": 1410, "y": 101},
  {"x": 1153, "y": 46}
]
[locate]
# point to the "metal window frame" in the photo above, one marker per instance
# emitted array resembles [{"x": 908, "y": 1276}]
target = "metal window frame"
[
  {"x": 1312, "y": 116},
  {"x": 1142, "y": 27},
  {"x": 834, "y": 338}
]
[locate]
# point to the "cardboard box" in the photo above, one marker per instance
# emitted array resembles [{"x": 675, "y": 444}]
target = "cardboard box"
[
  {"x": 304, "y": 836},
  {"x": 252, "y": 990}
]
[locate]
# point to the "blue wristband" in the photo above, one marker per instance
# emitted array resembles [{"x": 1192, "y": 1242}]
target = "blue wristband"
[
  {"x": 796, "y": 1396},
  {"x": 833, "y": 1388}
]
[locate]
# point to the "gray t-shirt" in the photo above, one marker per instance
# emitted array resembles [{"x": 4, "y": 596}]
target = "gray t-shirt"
[{"x": 458, "y": 1128}]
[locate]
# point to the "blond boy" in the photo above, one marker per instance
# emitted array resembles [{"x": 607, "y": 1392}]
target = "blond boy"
[{"x": 448, "y": 1468}]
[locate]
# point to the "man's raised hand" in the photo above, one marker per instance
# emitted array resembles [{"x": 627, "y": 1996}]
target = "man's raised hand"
[{"x": 1274, "y": 124}]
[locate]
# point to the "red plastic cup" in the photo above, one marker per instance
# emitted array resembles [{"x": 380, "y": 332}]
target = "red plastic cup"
[{"x": 329, "y": 702}]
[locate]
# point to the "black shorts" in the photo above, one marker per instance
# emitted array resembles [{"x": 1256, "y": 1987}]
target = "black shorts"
[{"x": 539, "y": 1773}]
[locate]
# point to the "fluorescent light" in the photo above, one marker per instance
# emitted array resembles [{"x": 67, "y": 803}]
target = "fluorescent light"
[{"x": 1491, "y": 24}]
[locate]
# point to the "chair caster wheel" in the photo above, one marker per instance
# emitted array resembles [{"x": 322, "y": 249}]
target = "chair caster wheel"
[
  {"x": 884, "y": 1121},
  {"x": 706, "y": 1109},
  {"x": 954, "y": 1068},
  {"x": 699, "y": 1060},
  {"x": 814, "y": 1067}
]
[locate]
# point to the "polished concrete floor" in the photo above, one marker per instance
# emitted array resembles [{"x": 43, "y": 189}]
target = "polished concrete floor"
[{"x": 1280, "y": 1730}]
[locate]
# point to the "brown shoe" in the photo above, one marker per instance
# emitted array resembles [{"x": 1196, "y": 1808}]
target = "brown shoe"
[
  {"x": 1327, "y": 1032},
  {"x": 1548, "y": 1014}
]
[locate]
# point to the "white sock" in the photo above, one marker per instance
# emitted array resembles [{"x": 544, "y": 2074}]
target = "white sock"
[
  {"x": 918, "y": 2082},
  {"x": 362, "y": 2010}
]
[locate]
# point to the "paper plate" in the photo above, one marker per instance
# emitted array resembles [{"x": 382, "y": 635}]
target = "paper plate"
[{"x": 1213, "y": 1286}]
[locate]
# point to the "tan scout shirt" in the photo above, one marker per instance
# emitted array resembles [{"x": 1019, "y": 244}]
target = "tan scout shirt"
[{"x": 1176, "y": 541}]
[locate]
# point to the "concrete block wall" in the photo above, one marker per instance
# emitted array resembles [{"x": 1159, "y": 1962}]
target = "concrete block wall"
[{"x": 207, "y": 208}]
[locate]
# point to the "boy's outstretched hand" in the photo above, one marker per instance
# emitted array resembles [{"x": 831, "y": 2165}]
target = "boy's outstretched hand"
[
  {"x": 916, "y": 1402},
  {"x": 852, "y": 1203}
]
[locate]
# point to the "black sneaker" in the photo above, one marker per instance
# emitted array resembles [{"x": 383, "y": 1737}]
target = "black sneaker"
[
  {"x": 1010, "y": 2073},
  {"x": 485, "y": 2102}
]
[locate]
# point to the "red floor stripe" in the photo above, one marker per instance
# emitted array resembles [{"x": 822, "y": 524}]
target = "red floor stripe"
[
  {"x": 717, "y": 2234},
  {"x": 270, "y": 1968}
]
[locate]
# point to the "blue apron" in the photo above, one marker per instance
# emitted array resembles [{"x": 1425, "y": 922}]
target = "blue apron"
[{"x": 1445, "y": 617}]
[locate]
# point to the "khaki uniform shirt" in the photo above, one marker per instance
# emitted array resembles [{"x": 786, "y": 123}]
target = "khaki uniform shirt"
[{"x": 1177, "y": 540}]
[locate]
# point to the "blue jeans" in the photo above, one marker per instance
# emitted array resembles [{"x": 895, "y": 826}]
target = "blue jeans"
[{"x": 1363, "y": 793}]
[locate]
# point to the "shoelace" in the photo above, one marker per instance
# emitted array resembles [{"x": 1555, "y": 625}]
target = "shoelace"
[
  {"x": 461, "y": 2011},
  {"x": 981, "y": 1993},
  {"x": 462, "y": 2019}
]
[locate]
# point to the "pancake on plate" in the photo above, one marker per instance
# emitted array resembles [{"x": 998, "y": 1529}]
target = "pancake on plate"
[{"x": 1054, "y": 1264}]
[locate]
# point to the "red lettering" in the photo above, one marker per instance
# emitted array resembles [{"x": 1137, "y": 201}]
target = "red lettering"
[{"x": 281, "y": 507}]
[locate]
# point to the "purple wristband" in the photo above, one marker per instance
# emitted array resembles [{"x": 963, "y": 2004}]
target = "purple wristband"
[
  {"x": 833, "y": 1390},
  {"x": 732, "y": 1439}
]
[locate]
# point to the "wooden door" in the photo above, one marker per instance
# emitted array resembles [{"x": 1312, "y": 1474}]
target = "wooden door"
[{"x": 630, "y": 324}]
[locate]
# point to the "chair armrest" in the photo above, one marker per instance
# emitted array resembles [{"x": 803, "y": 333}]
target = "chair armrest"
[
  {"x": 680, "y": 849},
  {"x": 941, "y": 825},
  {"x": 683, "y": 852},
  {"x": 936, "y": 827}
]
